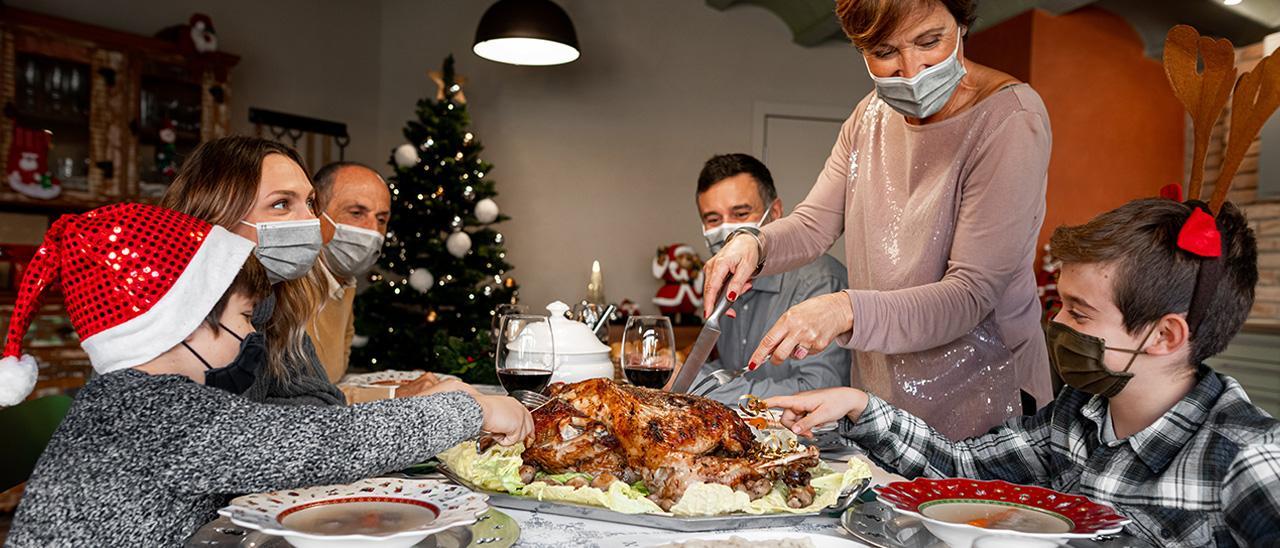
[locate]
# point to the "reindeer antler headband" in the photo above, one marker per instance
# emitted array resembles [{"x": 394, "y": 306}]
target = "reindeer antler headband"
[{"x": 1204, "y": 94}]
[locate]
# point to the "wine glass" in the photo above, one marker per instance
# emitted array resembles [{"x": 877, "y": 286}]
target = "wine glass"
[
  {"x": 503, "y": 310},
  {"x": 648, "y": 351},
  {"x": 526, "y": 352}
]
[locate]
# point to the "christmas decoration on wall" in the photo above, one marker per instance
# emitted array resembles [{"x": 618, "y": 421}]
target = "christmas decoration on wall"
[
  {"x": 167, "y": 152},
  {"x": 680, "y": 296},
  {"x": 421, "y": 279},
  {"x": 29, "y": 164},
  {"x": 406, "y": 156},
  {"x": 443, "y": 270},
  {"x": 486, "y": 211},
  {"x": 458, "y": 244}
]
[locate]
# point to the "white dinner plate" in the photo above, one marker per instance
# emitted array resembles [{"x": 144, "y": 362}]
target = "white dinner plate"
[{"x": 760, "y": 536}]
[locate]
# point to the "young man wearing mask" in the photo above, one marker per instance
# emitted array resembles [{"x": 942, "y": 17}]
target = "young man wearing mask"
[
  {"x": 736, "y": 190},
  {"x": 355, "y": 206}
]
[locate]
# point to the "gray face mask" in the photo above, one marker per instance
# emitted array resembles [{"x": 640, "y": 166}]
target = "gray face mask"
[
  {"x": 287, "y": 249},
  {"x": 353, "y": 250},
  {"x": 924, "y": 94}
]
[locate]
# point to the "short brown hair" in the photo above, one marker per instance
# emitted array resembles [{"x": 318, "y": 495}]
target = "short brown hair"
[
  {"x": 251, "y": 283},
  {"x": 1153, "y": 277},
  {"x": 869, "y": 23}
]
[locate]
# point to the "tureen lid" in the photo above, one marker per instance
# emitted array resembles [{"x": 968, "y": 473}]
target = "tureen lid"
[{"x": 570, "y": 337}]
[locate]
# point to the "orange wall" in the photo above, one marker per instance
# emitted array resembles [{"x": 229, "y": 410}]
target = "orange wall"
[{"x": 1117, "y": 128}]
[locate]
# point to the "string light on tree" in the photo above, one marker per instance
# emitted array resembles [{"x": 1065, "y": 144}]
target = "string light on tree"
[{"x": 445, "y": 213}]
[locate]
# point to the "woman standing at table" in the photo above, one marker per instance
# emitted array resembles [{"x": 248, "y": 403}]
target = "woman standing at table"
[{"x": 937, "y": 181}]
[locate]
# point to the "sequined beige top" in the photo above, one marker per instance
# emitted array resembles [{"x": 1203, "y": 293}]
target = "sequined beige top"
[{"x": 940, "y": 225}]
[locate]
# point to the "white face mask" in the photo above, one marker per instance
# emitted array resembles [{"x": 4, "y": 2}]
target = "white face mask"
[
  {"x": 924, "y": 94},
  {"x": 287, "y": 249},
  {"x": 716, "y": 236},
  {"x": 353, "y": 250}
]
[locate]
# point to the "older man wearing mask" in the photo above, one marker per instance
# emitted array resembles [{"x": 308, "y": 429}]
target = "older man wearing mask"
[
  {"x": 736, "y": 190},
  {"x": 355, "y": 206}
]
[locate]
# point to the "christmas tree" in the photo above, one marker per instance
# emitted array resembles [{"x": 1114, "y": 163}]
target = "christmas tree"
[{"x": 443, "y": 269}]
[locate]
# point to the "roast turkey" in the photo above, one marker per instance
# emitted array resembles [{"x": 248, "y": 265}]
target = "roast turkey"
[{"x": 670, "y": 441}]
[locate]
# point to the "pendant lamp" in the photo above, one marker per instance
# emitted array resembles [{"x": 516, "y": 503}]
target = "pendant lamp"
[{"x": 526, "y": 32}]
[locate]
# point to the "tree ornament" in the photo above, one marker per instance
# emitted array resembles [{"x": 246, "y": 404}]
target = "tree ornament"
[
  {"x": 458, "y": 244},
  {"x": 421, "y": 280},
  {"x": 486, "y": 211},
  {"x": 468, "y": 193},
  {"x": 406, "y": 156}
]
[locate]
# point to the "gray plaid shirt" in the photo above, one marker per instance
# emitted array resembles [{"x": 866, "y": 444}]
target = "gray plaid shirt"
[
  {"x": 758, "y": 310},
  {"x": 1206, "y": 473}
]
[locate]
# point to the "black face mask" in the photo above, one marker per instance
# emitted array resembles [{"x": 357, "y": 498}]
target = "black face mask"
[
  {"x": 1079, "y": 360},
  {"x": 237, "y": 376}
]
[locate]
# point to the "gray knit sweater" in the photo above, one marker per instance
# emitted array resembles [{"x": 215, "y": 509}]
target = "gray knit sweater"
[{"x": 144, "y": 460}]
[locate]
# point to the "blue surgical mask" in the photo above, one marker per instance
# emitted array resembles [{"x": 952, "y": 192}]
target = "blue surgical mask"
[{"x": 924, "y": 94}]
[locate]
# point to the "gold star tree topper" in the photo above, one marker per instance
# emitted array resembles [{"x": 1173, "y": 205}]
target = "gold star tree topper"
[{"x": 458, "y": 82}]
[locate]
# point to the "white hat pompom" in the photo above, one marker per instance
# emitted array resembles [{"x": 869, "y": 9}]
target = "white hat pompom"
[{"x": 17, "y": 379}]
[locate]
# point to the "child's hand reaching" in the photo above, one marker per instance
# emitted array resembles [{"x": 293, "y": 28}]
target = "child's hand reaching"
[
  {"x": 807, "y": 410},
  {"x": 505, "y": 418}
]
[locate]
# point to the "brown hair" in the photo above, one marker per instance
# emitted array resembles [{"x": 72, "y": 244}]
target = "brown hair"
[
  {"x": 218, "y": 183},
  {"x": 251, "y": 282},
  {"x": 1153, "y": 277},
  {"x": 869, "y": 23}
]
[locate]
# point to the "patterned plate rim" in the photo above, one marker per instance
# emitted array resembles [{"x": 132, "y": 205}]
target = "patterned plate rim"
[
  {"x": 907, "y": 497},
  {"x": 456, "y": 506},
  {"x": 371, "y": 380}
]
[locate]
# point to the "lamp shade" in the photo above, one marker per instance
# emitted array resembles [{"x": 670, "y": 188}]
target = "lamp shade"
[{"x": 526, "y": 32}]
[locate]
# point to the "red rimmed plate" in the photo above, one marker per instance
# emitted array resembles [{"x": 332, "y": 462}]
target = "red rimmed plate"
[{"x": 957, "y": 510}]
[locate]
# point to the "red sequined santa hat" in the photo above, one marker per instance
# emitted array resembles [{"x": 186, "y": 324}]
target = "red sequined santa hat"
[{"x": 137, "y": 280}]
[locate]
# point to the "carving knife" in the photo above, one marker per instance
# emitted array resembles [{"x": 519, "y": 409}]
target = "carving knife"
[{"x": 701, "y": 347}]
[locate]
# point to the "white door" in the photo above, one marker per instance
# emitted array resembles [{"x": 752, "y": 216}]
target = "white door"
[{"x": 794, "y": 142}]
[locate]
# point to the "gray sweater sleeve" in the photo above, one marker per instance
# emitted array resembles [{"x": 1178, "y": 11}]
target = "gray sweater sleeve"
[{"x": 239, "y": 446}]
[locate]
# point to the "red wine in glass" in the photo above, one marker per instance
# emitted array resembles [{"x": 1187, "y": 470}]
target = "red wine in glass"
[
  {"x": 648, "y": 377},
  {"x": 533, "y": 380}
]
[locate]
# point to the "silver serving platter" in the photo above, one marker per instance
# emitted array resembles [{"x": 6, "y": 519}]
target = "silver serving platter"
[
  {"x": 493, "y": 530},
  {"x": 875, "y": 524},
  {"x": 672, "y": 523}
]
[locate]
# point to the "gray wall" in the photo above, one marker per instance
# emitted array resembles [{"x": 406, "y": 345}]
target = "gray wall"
[
  {"x": 598, "y": 159},
  {"x": 594, "y": 160}
]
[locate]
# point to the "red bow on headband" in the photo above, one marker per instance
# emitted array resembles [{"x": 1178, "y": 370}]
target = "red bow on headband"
[{"x": 1199, "y": 234}]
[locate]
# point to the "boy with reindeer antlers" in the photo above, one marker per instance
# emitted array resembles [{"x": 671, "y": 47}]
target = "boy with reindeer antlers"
[{"x": 1150, "y": 291}]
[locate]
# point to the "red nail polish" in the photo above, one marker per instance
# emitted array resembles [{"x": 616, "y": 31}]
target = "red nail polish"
[
  {"x": 751, "y": 366},
  {"x": 733, "y": 296}
]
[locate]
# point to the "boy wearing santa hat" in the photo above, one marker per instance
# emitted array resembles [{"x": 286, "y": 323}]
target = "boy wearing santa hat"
[{"x": 161, "y": 302}]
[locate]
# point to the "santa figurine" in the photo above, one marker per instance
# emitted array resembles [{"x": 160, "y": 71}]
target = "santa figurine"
[
  {"x": 28, "y": 165},
  {"x": 679, "y": 266},
  {"x": 1047, "y": 283},
  {"x": 167, "y": 153},
  {"x": 197, "y": 36}
]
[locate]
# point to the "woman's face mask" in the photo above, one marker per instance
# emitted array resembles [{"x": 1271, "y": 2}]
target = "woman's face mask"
[
  {"x": 353, "y": 250},
  {"x": 1078, "y": 358},
  {"x": 236, "y": 377},
  {"x": 287, "y": 249},
  {"x": 924, "y": 94}
]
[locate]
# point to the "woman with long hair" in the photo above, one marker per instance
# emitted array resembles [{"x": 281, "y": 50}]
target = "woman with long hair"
[{"x": 260, "y": 190}]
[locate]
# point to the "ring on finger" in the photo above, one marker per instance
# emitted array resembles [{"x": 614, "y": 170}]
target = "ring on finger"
[{"x": 800, "y": 352}]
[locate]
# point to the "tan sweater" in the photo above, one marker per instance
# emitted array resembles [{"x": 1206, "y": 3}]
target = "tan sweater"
[
  {"x": 333, "y": 327},
  {"x": 940, "y": 225}
]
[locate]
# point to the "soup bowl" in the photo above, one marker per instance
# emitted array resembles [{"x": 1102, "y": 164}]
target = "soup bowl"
[
  {"x": 383, "y": 512},
  {"x": 958, "y": 510}
]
